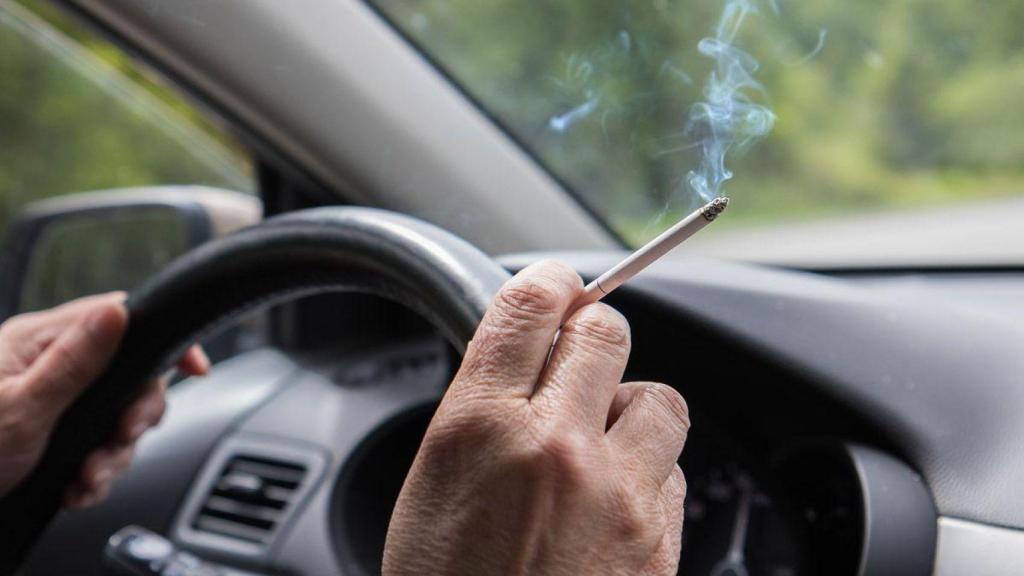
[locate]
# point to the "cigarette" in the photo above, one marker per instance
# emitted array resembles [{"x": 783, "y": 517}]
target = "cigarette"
[{"x": 649, "y": 254}]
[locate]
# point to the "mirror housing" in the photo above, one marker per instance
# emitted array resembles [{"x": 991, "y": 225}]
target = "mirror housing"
[{"x": 70, "y": 246}]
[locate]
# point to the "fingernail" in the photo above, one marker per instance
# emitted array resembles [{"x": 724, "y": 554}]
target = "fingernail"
[{"x": 104, "y": 323}]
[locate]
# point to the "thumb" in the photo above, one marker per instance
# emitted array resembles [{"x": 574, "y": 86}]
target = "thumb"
[{"x": 75, "y": 358}]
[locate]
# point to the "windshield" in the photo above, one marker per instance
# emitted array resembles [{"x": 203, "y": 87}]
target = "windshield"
[{"x": 875, "y": 106}]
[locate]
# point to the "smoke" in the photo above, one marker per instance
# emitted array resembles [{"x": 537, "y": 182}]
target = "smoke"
[
  {"x": 728, "y": 118},
  {"x": 586, "y": 79},
  {"x": 563, "y": 122},
  {"x": 822, "y": 35}
]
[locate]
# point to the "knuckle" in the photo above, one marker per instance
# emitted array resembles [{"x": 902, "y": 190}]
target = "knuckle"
[
  {"x": 490, "y": 360},
  {"x": 22, "y": 320},
  {"x": 527, "y": 301},
  {"x": 15, "y": 326},
  {"x": 68, "y": 361},
  {"x": 675, "y": 488},
  {"x": 470, "y": 424},
  {"x": 8, "y": 328},
  {"x": 537, "y": 293},
  {"x": 561, "y": 457},
  {"x": 669, "y": 403},
  {"x": 603, "y": 326},
  {"x": 443, "y": 445},
  {"x": 561, "y": 272},
  {"x": 456, "y": 430},
  {"x": 629, "y": 526},
  {"x": 633, "y": 518}
]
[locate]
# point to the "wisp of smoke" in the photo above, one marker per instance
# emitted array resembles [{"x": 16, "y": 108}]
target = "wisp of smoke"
[
  {"x": 584, "y": 76},
  {"x": 562, "y": 122},
  {"x": 728, "y": 118}
]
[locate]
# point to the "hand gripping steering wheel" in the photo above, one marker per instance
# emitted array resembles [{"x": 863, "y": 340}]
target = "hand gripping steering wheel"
[{"x": 284, "y": 258}]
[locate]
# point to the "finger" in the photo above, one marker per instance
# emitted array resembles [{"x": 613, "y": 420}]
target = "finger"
[
  {"x": 623, "y": 396},
  {"x": 586, "y": 366},
  {"x": 64, "y": 314},
  {"x": 98, "y": 473},
  {"x": 514, "y": 338},
  {"x": 195, "y": 362},
  {"x": 79, "y": 498},
  {"x": 72, "y": 361},
  {"x": 673, "y": 498},
  {"x": 665, "y": 560},
  {"x": 652, "y": 430},
  {"x": 105, "y": 464},
  {"x": 74, "y": 309},
  {"x": 144, "y": 413},
  {"x": 30, "y": 333}
]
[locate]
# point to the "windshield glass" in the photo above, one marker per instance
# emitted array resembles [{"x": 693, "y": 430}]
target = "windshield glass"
[{"x": 866, "y": 106}]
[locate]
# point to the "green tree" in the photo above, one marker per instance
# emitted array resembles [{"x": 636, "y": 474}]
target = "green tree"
[
  {"x": 908, "y": 102},
  {"x": 72, "y": 119}
]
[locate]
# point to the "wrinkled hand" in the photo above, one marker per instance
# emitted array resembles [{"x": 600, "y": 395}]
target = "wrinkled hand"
[
  {"x": 46, "y": 360},
  {"x": 552, "y": 469}
]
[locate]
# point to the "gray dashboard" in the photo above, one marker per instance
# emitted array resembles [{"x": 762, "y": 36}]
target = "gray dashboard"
[{"x": 920, "y": 376}]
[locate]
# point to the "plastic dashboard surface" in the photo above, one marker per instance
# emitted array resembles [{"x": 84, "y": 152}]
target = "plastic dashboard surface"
[{"x": 908, "y": 367}]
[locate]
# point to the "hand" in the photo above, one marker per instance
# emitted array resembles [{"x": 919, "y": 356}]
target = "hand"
[
  {"x": 545, "y": 468},
  {"x": 46, "y": 360}
]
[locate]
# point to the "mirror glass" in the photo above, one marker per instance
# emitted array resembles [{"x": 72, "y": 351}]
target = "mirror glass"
[{"x": 100, "y": 251}]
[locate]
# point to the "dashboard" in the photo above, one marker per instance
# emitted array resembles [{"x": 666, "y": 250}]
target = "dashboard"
[{"x": 842, "y": 425}]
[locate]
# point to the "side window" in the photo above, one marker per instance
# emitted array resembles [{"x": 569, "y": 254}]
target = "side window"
[{"x": 76, "y": 114}]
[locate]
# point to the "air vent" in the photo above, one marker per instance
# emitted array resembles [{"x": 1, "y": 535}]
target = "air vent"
[{"x": 249, "y": 498}]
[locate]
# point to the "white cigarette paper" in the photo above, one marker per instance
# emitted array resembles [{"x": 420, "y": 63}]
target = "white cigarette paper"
[{"x": 649, "y": 253}]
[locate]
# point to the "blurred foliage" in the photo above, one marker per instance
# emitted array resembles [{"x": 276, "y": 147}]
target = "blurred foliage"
[
  {"x": 909, "y": 102},
  {"x": 77, "y": 114}
]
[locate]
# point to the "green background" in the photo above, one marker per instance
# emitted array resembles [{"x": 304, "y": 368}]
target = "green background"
[
  {"x": 76, "y": 114},
  {"x": 909, "y": 103}
]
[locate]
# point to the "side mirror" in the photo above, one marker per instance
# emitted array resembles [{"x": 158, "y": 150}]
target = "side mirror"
[{"x": 67, "y": 247}]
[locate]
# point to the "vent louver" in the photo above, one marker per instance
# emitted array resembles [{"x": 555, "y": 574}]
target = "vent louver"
[{"x": 249, "y": 498}]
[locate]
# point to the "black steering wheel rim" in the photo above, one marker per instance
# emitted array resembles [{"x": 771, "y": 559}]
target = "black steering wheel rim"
[{"x": 320, "y": 250}]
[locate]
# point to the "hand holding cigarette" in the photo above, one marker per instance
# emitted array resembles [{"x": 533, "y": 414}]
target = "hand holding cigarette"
[{"x": 545, "y": 464}]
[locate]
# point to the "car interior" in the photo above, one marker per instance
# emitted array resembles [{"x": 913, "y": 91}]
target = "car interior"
[{"x": 856, "y": 409}]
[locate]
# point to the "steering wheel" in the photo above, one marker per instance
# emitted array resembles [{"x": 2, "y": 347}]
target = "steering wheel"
[{"x": 284, "y": 258}]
